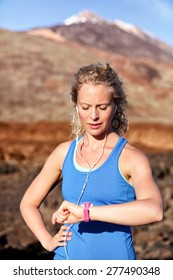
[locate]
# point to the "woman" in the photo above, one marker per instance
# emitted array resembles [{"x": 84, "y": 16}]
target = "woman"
[{"x": 107, "y": 184}]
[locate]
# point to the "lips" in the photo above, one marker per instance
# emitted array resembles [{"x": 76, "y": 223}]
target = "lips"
[{"x": 94, "y": 125}]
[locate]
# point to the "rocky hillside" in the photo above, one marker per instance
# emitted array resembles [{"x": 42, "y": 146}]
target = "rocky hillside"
[
  {"x": 36, "y": 75},
  {"x": 23, "y": 150}
]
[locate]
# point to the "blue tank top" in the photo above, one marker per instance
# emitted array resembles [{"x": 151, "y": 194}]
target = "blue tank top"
[{"x": 106, "y": 185}]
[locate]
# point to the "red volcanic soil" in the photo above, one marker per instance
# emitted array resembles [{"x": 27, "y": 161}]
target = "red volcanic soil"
[
  {"x": 34, "y": 141},
  {"x": 151, "y": 137},
  {"x": 30, "y": 142},
  {"x": 23, "y": 150}
]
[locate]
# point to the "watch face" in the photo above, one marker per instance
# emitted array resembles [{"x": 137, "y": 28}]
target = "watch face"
[{"x": 86, "y": 204}]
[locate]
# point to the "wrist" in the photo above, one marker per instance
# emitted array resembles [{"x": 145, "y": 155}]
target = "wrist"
[{"x": 46, "y": 243}]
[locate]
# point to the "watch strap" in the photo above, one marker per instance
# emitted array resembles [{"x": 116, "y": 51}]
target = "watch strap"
[{"x": 86, "y": 206}]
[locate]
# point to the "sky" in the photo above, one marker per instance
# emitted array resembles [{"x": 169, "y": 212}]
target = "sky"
[{"x": 154, "y": 16}]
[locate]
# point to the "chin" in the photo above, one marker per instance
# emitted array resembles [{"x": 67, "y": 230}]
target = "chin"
[{"x": 96, "y": 132}]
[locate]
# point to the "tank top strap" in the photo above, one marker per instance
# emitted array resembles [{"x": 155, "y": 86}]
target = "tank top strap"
[
  {"x": 69, "y": 154},
  {"x": 119, "y": 146}
]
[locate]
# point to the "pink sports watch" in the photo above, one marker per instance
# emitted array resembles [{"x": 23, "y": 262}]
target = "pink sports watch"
[{"x": 86, "y": 206}]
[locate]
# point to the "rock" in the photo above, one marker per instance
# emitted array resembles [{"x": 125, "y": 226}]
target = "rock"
[{"x": 152, "y": 241}]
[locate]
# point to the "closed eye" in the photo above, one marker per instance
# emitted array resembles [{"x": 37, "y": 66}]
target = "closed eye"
[
  {"x": 85, "y": 108},
  {"x": 103, "y": 107}
]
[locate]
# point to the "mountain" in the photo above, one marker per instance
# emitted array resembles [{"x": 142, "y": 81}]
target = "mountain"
[
  {"x": 36, "y": 75},
  {"x": 115, "y": 36}
]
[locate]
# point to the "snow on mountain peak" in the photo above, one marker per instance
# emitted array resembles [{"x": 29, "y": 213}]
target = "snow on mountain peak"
[
  {"x": 128, "y": 27},
  {"x": 85, "y": 16},
  {"x": 88, "y": 16}
]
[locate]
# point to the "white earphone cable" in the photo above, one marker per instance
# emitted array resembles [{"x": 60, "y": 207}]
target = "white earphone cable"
[{"x": 86, "y": 181}]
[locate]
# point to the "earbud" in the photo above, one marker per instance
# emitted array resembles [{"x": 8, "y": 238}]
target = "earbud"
[
  {"x": 115, "y": 109},
  {"x": 76, "y": 109}
]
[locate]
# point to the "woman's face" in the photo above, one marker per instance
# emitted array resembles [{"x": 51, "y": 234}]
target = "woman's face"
[{"x": 95, "y": 107}]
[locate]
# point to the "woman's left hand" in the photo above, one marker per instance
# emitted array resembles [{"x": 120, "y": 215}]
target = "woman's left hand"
[{"x": 68, "y": 213}]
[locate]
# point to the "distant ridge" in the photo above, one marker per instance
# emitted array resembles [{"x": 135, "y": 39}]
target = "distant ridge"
[
  {"x": 113, "y": 36},
  {"x": 37, "y": 70}
]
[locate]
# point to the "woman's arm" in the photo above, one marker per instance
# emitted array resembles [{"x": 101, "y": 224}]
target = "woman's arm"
[
  {"x": 36, "y": 193},
  {"x": 147, "y": 208}
]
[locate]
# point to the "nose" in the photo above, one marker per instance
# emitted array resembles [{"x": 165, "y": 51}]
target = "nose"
[{"x": 94, "y": 114}]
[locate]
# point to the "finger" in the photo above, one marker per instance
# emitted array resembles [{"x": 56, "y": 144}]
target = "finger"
[
  {"x": 54, "y": 218},
  {"x": 61, "y": 214},
  {"x": 61, "y": 218},
  {"x": 67, "y": 234},
  {"x": 64, "y": 228},
  {"x": 58, "y": 218},
  {"x": 68, "y": 238},
  {"x": 65, "y": 238},
  {"x": 66, "y": 212},
  {"x": 62, "y": 241},
  {"x": 62, "y": 244}
]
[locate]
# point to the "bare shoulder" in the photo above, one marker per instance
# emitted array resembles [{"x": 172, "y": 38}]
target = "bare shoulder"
[
  {"x": 134, "y": 154},
  {"x": 134, "y": 159},
  {"x": 62, "y": 148},
  {"x": 59, "y": 153}
]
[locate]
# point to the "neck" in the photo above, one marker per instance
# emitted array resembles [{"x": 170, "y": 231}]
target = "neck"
[
  {"x": 90, "y": 141},
  {"x": 80, "y": 154},
  {"x": 95, "y": 141}
]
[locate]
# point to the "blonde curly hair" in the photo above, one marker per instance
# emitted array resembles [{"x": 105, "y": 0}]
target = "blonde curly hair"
[{"x": 100, "y": 74}]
